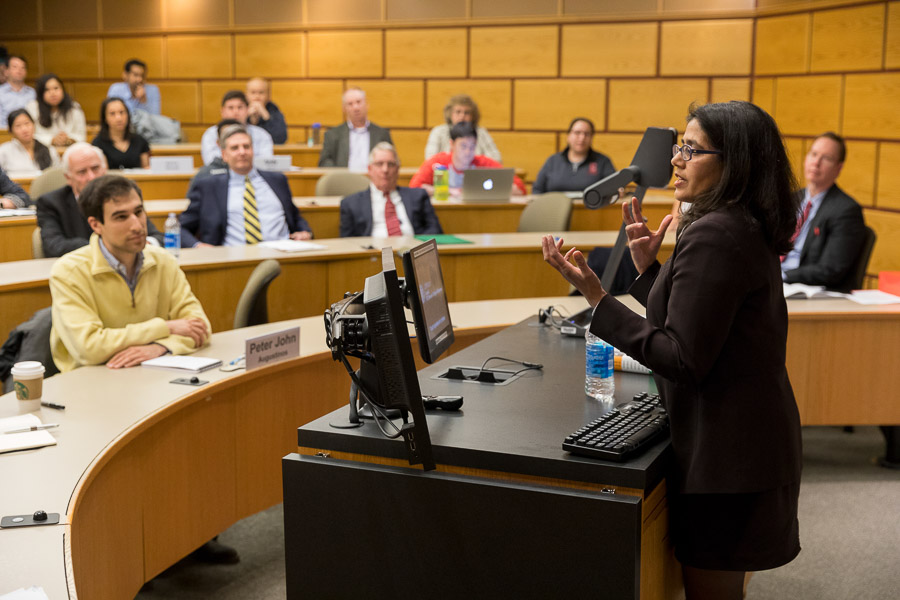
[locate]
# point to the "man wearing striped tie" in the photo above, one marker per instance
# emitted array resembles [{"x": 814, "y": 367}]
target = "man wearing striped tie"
[{"x": 243, "y": 205}]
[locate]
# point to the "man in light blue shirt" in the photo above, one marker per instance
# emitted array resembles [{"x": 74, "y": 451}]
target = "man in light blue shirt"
[
  {"x": 235, "y": 106},
  {"x": 137, "y": 94},
  {"x": 14, "y": 94}
]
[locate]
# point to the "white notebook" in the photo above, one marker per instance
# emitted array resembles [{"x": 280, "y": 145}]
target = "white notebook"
[
  {"x": 185, "y": 364},
  {"x": 26, "y": 440}
]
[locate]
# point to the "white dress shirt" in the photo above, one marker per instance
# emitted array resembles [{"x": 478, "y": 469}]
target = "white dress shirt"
[
  {"x": 379, "y": 226},
  {"x": 14, "y": 157},
  {"x": 271, "y": 213},
  {"x": 73, "y": 124},
  {"x": 11, "y": 100},
  {"x": 359, "y": 148}
]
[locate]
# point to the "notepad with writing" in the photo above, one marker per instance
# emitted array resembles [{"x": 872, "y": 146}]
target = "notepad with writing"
[
  {"x": 26, "y": 440},
  {"x": 185, "y": 364}
]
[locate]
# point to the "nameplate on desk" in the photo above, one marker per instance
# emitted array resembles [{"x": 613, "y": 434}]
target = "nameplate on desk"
[
  {"x": 279, "y": 162},
  {"x": 272, "y": 348},
  {"x": 171, "y": 164}
]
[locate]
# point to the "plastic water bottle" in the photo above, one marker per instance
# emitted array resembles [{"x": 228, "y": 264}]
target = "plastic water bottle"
[
  {"x": 598, "y": 368},
  {"x": 173, "y": 235},
  {"x": 441, "y": 183},
  {"x": 314, "y": 138}
]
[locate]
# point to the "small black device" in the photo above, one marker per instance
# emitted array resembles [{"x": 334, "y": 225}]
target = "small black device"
[
  {"x": 448, "y": 403},
  {"x": 193, "y": 381},
  {"x": 623, "y": 432},
  {"x": 39, "y": 517},
  {"x": 577, "y": 324}
]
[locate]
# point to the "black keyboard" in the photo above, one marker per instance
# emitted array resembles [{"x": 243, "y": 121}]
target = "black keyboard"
[{"x": 623, "y": 432}]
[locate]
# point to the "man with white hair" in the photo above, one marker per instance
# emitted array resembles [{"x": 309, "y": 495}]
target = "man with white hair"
[
  {"x": 63, "y": 227},
  {"x": 348, "y": 144}
]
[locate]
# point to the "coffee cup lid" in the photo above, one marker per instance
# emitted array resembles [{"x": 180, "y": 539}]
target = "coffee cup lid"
[{"x": 27, "y": 367}]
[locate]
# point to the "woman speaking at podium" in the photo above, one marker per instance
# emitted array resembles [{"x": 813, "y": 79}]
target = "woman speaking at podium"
[{"x": 715, "y": 337}]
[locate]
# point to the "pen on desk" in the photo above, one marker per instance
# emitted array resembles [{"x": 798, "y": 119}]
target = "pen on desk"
[
  {"x": 236, "y": 361},
  {"x": 33, "y": 428},
  {"x": 54, "y": 405}
]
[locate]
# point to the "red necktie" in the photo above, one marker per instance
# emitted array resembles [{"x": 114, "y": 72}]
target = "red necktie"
[
  {"x": 390, "y": 217},
  {"x": 806, "y": 208}
]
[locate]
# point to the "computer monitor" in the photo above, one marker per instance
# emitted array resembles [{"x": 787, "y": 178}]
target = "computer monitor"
[{"x": 428, "y": 300}]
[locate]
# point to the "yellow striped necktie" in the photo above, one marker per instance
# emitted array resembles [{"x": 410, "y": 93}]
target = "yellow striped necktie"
[{"x": 252, "y": 228}]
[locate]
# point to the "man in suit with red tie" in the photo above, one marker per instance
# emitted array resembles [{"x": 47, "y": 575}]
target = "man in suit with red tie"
[
  {"x": 243, "y": 205},
  {"x": 830, "y": 227},
  {"x": 385, "y": 209}
]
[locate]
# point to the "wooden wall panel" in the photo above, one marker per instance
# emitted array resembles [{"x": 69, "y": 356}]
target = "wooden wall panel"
[
  {"x": 493, "y": 97},
  {"x": 731, "y": 88},
  {"x": 635, "y": 104},
  {"x": 888, "y": 190},
  {"x": 513, "y": 8},
  {"x": 609, "y": 7},
  {"x": 89, "y": 94},
  {"x": 211, "y": 94},
  {"x": 782, "y": 45},
  {"x": 345, "y": 53},
  {"x": 716, "y": 47},
  {"x": 150, "y": 50},
  {"x": 764, "y": 94},
  {"x": 892, "y": 45},
  {"x": 64, "y": 15},
  {"x": 796, "y": 151},
  {"x": 19, "y": 18},
  {"x": 525, "y": 150},
  {"x": 870, "y": 106},
  {"x": 621, "y": 49},
  {"x": 346, "y": 11},
  {"x": 552, "y": 103},
  {"x": 808, "y": 105},
  {"x": 858, "y": 175},
  {"x": 619, "y": 147},
  {"x": 514, "y": 51},
  {"x": 394, "y": 103},
  {"x": 410, "y": 144},
  {"x": 886, "y": 254},
  {"x": 31, "y": 51},
  {"x": 131, "y": 14},
  {"x": 196, "y": 14},
  {"x": 307, "y": 102},
  {"x": 707, "y": 5},
  {"x": 848, "y": 39},
  {"x": 181, "y": 100},
  {"x": 273, "y": 55},
  {"x": 77, "y": 58},
  {"x": 426, "y": 52},
  {"x": 199, "y": 56},
  {"x": 265, "y": 12},
  {"x": 416, "y": 10}
]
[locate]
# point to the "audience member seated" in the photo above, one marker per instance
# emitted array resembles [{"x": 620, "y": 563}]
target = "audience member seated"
[
  {"x": 830, "y": 227},
  {"x": 235, "y": 106},
  {"x": 11, "y": 194},
  {"x": 63, "y": 227},
  {"x": 59, "y": 119},
  {"x": 264, "y": 113},
  {"x": 461, "y": 108},
  {"x": 123, "y": 148},
  {"x": 135, "y": 91},
  {"x": 217, "y": 166},
  {"x": 461, "y": 157},
  {"x": 23, "y": 152},
  {"x": 14, "y": 94},
  {"x": 348, "y": 144},
  {"x": 577, "y": 166},
  {"x": 385, "y": 209},
  {"x": 243, "y": 205}
]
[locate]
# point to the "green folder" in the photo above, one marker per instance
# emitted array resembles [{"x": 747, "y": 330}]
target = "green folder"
[{"x": 443, "y": 239}]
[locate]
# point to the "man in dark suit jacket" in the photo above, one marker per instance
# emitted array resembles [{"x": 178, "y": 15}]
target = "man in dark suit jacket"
[
  {"x": 364, "y": 214},
  {"x": 215, "y": 215},
  {"x": 832, "y": 229},
  {"x": 63, "y": 227},
  {"x": 343, "y": 148}
]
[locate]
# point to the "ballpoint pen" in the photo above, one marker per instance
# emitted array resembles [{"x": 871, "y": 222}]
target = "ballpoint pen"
[
  {"x": 33, "y": 428},
  {"x": 54, "y": 405},
  {"x": 236, "y": 360}
]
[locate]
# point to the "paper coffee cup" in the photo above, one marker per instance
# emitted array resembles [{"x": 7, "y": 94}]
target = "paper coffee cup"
[{"x": 28, "y": 381}]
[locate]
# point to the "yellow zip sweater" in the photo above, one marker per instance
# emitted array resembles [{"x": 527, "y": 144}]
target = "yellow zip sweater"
[{"x": 95, "y": 315}]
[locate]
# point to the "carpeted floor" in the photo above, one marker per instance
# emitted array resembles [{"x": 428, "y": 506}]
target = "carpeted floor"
[{"x": 849, "y": 530}]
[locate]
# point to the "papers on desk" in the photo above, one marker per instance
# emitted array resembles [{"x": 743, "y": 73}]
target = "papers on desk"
[
  {"x": 873, "y": 297},
  {"x": 185, "y": 364},
  {"x": 292, "y": 246},
  {"x": 800, "y": 291},
  {"x": 16, "y": 212},
  {"x": 26, "y": 440},
  {"x": 32, "y": 593}
]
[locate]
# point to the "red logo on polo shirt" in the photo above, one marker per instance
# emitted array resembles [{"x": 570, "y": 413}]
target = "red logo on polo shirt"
[{"x": 592, "y": 169}]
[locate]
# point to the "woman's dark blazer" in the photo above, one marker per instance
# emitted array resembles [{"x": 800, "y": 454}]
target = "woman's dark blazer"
[{"x": 715, "y": 338}]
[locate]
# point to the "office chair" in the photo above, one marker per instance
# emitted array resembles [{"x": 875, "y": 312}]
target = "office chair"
[
  {"x": 51, "y": 179},
  {"x": 862, "y": 262},
  {"x": 37, "y": 244},
  {"x": 546, "y": 212},
  {"x": 341, "y": 183},
  {"x": 252, "y": 307}
]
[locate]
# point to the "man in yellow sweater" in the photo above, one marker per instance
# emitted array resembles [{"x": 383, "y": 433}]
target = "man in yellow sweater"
[{"x": 117, "y": 300}]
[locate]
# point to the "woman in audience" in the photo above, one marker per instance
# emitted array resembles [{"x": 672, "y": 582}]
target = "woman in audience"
[
  {"x": 577, "y": 166},
  {"x": 460, "y": 108},
  {"x": 23, "y": 152},
  {"x": 123, "y": 148},
  {"x": 715, "y": 337},
  {"x": 59, "y": 119}
]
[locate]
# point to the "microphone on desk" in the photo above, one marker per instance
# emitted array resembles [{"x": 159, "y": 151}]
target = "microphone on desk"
[{"x": 650, "y": 167}]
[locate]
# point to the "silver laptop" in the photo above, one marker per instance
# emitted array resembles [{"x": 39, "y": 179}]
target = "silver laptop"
[{"x": 487, "y": 185}]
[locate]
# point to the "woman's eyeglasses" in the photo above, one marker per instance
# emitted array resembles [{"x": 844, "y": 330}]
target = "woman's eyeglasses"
[{"x": 687, "y": 152}]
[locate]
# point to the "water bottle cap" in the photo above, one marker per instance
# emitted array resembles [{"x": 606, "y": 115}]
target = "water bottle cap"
[
  {"x": 316, "y": 125},
  {"x": 440, "y": 167}
]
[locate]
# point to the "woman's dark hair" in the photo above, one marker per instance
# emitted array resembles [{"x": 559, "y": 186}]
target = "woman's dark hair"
[
  {"x": 44, "y": 109},
  {"x": 586, "y": 120},
  {"x": 462, "y": 129},
  {"x": 104, "y": 126},
  {"x": 756, "y": 172},
  {"x": 41, "y": 152}
]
